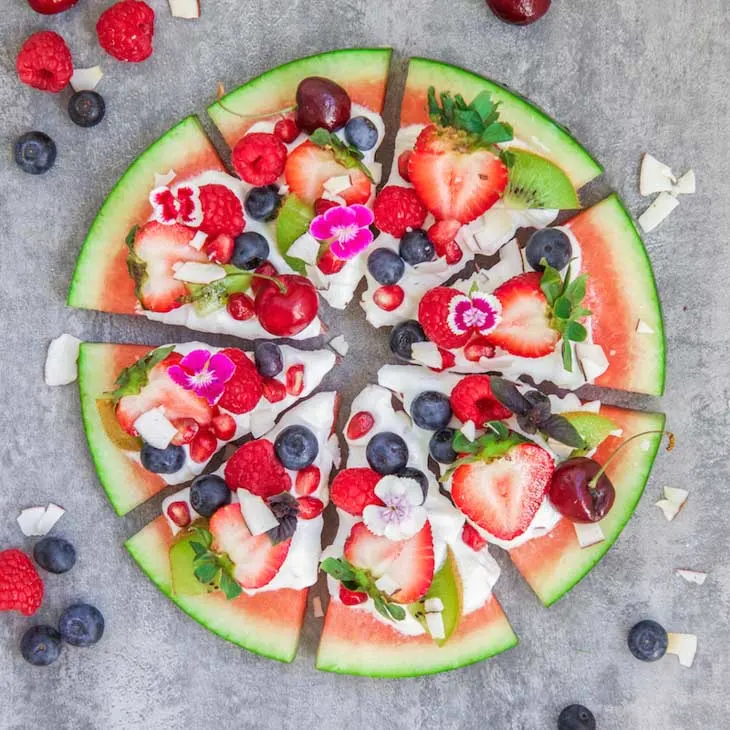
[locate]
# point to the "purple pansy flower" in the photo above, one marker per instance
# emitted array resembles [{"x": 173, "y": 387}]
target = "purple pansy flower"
[
  {"x": 345, "y": 228},
  {"x": 481, "y": 312},
  {"x": 204, "y": 374}
]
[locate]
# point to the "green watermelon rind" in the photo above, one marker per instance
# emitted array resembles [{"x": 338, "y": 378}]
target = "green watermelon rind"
[{"x": 527, "y": 118}]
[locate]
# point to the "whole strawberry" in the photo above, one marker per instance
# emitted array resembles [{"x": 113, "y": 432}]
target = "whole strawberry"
[
  {"x": 44, "y": 62},
  {"x": 21, "y": 588},
  {"x": 125, "y": 30}
]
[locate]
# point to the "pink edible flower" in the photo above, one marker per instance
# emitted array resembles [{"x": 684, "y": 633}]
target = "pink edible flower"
[
  {"x": 477, "y": 311},
  {"x": 204, "y": 374},
  {"x": 345, "y": 228}
]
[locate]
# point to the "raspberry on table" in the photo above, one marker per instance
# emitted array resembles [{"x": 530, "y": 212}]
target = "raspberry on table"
[
  {"x": 44, "y": 62},
  {"x": 125, "y": 30},
  {"x": 21, "y": 588}
]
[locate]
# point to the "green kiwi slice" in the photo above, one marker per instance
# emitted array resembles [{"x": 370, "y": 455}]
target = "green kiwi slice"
[{"x": 535, "y": 182}]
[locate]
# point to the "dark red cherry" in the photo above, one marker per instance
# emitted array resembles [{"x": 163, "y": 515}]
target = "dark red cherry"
[
  {"x": 519, "y": 12},
  {"x": 321, "y": 103},
  {"x": 579, "y": 493}
]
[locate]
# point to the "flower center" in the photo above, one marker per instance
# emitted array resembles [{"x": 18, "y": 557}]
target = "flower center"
[
  {"x": 344, "y": 234},
  {"x": 396, "y": 510},
  {"x": 202, "y": 378}
]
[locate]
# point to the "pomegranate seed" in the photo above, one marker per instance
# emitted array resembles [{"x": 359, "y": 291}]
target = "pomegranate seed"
[
  {"x": 307, "y": 481},
  {"x": 359, "y": 425},
  {"x": 224, "y": 427},
  {"x": 472, "y": 538},
  {"x": 448, "y": 359},
  {"x": 454, "y": 253},
  {"x": 329, "y": 263},
  {"x": 322, "y": 204},
  {"x": 203, "y": 446},
  {"x": 179, "y": 513},
  {"x": 274, "y": 390},
  {"x": 477, "y": 348},
  {"x": 286, "y": 130},
  {"x": 187, "y": 428},
  {"x": 240, "y": 306},
  {"x": 352, "y": 598},
  {"x": 389, "y": 297},
  {"x": 310, "y": 507},
  {"x": 295, "y": 380},
  {"x": 403, "y": 160}
]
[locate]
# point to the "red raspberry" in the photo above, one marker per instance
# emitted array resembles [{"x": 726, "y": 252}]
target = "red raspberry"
[
  {"x": 397, "y": 209},
  {"x": 478, "y": 348},
  {"x": 321, "y": 205},
  {"x": 329, "y": 263},
  {"x": 443, "y": 235},
  {"x": 310, "y": 507},
  {"x": 359, "y": 425},
  {"x": 433, "y": 313},
  {"x": 472, "y": 400},
  {"x": 44, "y": 62},
  {"x": 286, "y": 130},
  {"x": 274, "y": 390},
  {"x": 179, "y": 513},
  {"x": 259, "y": 158},
  {"x": 21, "y": 588},
  {"x": 307, "y": 481},
  {"x": 125, "y": 30},
  {"x": 220, "y": 248},
  {"x": 352, "y": 598},
  {"x": 222, "y": 212},
  {"x": 389, "y": 297},
  {"x": 354, "y": 489},
  {"x": 403, "y": 159},
  {"x": 187, "y": 428},
  {"x": 472, "y": 538},
  {"x": 224, "y": 427},
  {"x": 203, "y": 446},
  {"x": 254, "y": 467},
  {"x": 295, "y": 380},
  {"x": 244, "y": 390},
  {"x": 240, "y": 306},
  {"x": 266, "y": 269}
]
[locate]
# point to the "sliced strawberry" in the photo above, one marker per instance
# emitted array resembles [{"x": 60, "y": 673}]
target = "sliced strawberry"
[
  {"x": 525, "y": 327},
  {"x": 203, "y": 446},
  {"x": 371, "y": 552},
  {"x": 256, "y": 559},
  {"x": 472, "y": 538},
  {"x": 224, "y": 427},
  {"x": 477, "y": 348},
  {"x": 159, "y": 248},
  {"x": 443, "y": 237},
  {"x": 309, "y": 507},
  {"x": 448, "y": 360},
  {"x": 403, "y": 160},
  {"x": 329, "y": 263},
  {"x": 219, "y": 249},
  {"x": 274, "y": 390},
  {"x": 413, "y": 569},
  {"x": 307, "y": 481},
  {"x": 433, "y": 314},
  {"x": 503, "y": 495},
  {"x": 187, "y": 428},
  {"x": 295, "y": 379},
  {"x": 310, "y": 166}
]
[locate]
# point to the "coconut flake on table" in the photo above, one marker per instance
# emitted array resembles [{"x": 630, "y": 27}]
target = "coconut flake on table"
[
  {"x": 673, "y": 502},
  {"x": 339, "y": 344},
  {"x": 86, "y": 79},
  {"x": 187, "y": 9},
  {"x": 39, "y": 521},
  {"x": 162, "y": 180},
  {"x": 61, "y": 360},
  {"x": 195, "y": 273},
  {"x": 589, "y": 533},
  {"x": 686, "y": 185},
  {"x": 306, "y": 248},
  {"x": 154, "y": 428},
  {"x": 256, "y": 513},
  {"x": 50, "y": 517},
  {"x": 684, "y": 647},
  {"x": 655, "y": 176},
  {"x": 691, "y": 576},
  {"x": 657, "y": 212}
]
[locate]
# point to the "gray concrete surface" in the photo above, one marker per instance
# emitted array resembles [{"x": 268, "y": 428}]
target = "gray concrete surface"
[{"x": 626, "y": 76}]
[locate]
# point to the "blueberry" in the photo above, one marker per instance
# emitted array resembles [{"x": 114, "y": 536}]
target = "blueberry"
[
  {"x": 55, "y": 554},
  {"x": 41, "y": 645},
  {"x": 296, "y": 447},
  {"x": 268, "y": 358},
  {"x": 162, "y": 461},
  {"x": 440, "y": 446},
  {"x": 403, "y": 336},
  {"x": 81, "y": 625},
  {"x": 35, "y": 152},
  {"x": 410, "y": 473},
  {"x": 387, "y": 453},
  {"x": 576, "y": 717},
  {"x": 86, "y": 108},
  {"x": 360, "y": 132},
  {"x": 208, "y": 493},
  {"x": 648, "y": 641},
  {"x": 415, "y": 247},
  {"x": 550, "y": 244},
  {"x": 250, "y": 250},
  {"x": 431, "y": 410},
  {"x": 262, "y": 204},
  {"x": 385, "y": 266}
]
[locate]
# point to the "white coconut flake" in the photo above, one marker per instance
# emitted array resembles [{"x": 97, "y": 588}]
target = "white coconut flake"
[
  {"x": 673, "y": 502},
  {"x": 317, "y": 607},
  {"x": 497, "y": 228},
  {"x": 433, "y": 605},
  {"x": 655, "y": 176},
  {"x": 376, "y": 170},
  {"x": 86, "y": 79},
  {"x": 643, "y": 328},
  {"x": 256, "y": 513},
  {"x": 435, "y": 625},
  {"x": 154, "y": 428},
  {"x": 338, "y": 184},
  {"x": 657, "y": 212},
  {"x": 684, "y": 647},
  {"x": 28, "y": 520},
  {"x": 261, "y": 423},
  {"x": 199, "y": 240},
  {"x": 589, "y": 533},
  {"x": 61, "y": 360},
  {"x": 306, "y": 248},
  {"x": 51, "y": 516},
  {"x": 592, "y": 359},
  {"x": 195, "y": 273},
  {"x": 386, "y": 584},
  {"x": 469, "y": 430},
  {"x": 691, "y": 576},
  {"x": 188, "y": 9},
  {"x": 340, "y": 345},
  {"x": 333, "y": 443},
  {"x": 686, "y": 185},
  {"x": 427, "y": 353},
  {"x": 315, "y": 275},
  {"x": 162, "y": 180}
]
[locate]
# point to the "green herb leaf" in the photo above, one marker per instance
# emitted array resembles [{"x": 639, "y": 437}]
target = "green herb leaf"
[
  {"x": 340, "y": 570},
  {"x": 495, "y": 133},
  {"x": 207, "y": 298},
  {"x": 575, "y": 291},
  {"x": 132, "y": 379},
  {"x": 550, "y": 283},
  {"x": 468, "y": 120},
  {"x": 576, "y": 332},
  {"x": 204, "y": 536},
  {"x": 561, "y": 429},
  {"x": 462, "y": 445},
  {"x": 231, "y": 589},
  {"x": 562, "y": 307},
  {"x": 347, "y": 156},
  {"x": 567, "y": 355},
  {"x": 205, "y": 572},
  {"x": 381, "y": 607},
  {"x": 434, "y": 110},
  {"x": 483, "y": 104},
  {"x": 198, "y": 549},
  {"x": 396, "y": 612}
]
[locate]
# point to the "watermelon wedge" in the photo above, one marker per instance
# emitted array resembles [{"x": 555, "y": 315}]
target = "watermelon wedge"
[{"x": 554, "y": 563}]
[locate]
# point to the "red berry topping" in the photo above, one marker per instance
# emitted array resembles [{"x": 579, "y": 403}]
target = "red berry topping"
[
  {"x": 187, "y": 429},
  {"x": 179, "y": 513},
  {"x": 51, "y": 7},
  {"x": 389, "y": 297},
  {"x": 295, "y": 379},
  {"x": 329, "y": 263},
  {"x": 254, "y": 467},
  {"x": 472, "y": 400},
  {"x": 321, "y": 205},
  {"x": 443, "y": 237},
  {"x": 397, "y": 209},
  {"x": 44, "y": 62},
  {"x": 359, "y": 425},
  {"x": 472, "y": 538},
  {"x": 352, "y": 598},
  {"x": 220, "y": 248},
  {"x": 478, "y": 348},
  {"x": 307, "y": 481},
  {"x": 310, "y": 507},
  {"x": 21, "y": 588},
  {"x": 203, "y": 446},
  {"x": 286, "y": 130},
  {"x": 354, "y": 489},
  {"x": 403, "y": 164},
  {"x": 448, "y": 359},
  {"x": 244, "y": 390},
  {"x": 433, "y": 314},
  {"x": 240, "y": 306},
  {"x": 286, "y": 311},
  {"x": 274, "y": 390},
  {"x": 222, "y": 212},
  {"x": 259, "y": 158},
  {"x": 266, "y": 269},
  {"x": 125, "y": 30},
  {"x": 224, "y": 427}
]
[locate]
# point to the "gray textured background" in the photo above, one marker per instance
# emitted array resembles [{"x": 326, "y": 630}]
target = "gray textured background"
[{"x": 626, "y": 76}]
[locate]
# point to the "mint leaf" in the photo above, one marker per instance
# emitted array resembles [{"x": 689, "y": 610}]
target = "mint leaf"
[
  {"x": 495, "y": 133},
  {"x": 462, "y": 445},
  {"x": 499, "y": 429},
  {"x": 396, "y": 612},
  {"x": 205, "y": 572},
  {"x": 347, "y": 156},
  {"x": 483, "y": 104},
  {"x": 231, "y": 589},
  {"x": 132, "y": 379},
  {"x": 575, "y": 291},
  {"x": 562, "y": 307},
  {"x": 340, "y": 570},
  {"x": 576, "y": 332},
  {"x": 198, "y": 549},
  {"x": 567, "y": 355},
  {"x": 550, "y": 283}
]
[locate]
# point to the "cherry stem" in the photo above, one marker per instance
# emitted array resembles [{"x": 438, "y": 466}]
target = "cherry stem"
[
  {"x": 593, "y": 482},
  {"x": 279, "y": 284},
  {"x": 263, "y": 115}
]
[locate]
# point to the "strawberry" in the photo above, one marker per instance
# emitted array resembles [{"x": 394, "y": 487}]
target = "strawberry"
[
  {"x": 256, "y": 559},
  {"x": 477, "y": 348},
  {"x": 310, "y": 166},
  {"x": 254, "y": 467},
  {"x": 433, "y": 314},
  {"x": 472, "y": 538},
  {"x": 448, "y": 360},
  {"x": 244, "y": 390},
  {"x": 224, "y": 427},
  {"x": 329, "y": 264},
  {"x": 203, "y": 446},
  {"x": 354, "y": 489},
  {"x": 352, "y": 598},
  {"x": 396, "y": 209},
  {"x": 443, "y": 237},
  {"x": 322, "y": 205},
  {"x": 179, "y": 513},
  {"x": 157, "y": 248},
  {"x": 370, "y": 552},
  {"x": 403, "y": 160},
  {"x": 360, "y": 424},
  {"x": 219, "y": 249},
  {"x": 453, "y": 181},
  {"x": 295, "y": 380},
  {"x": 472, "y": 400},
  {"x": 273, "y": 390},
  {"x": 309, "y": 507},
  {"x": 389, "y": 297},
  {"x": 222, "y": 212},
  {"x": 21, "y": 588},
  {"x": 187, "y": 428},
  {"x": 44, "y": 62},
  {"x": 307, "y": 481},
  {"x": 525, "y": 327},
  {"x": 503, "y": 495},
  {"x": 259, "y": 158}
]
